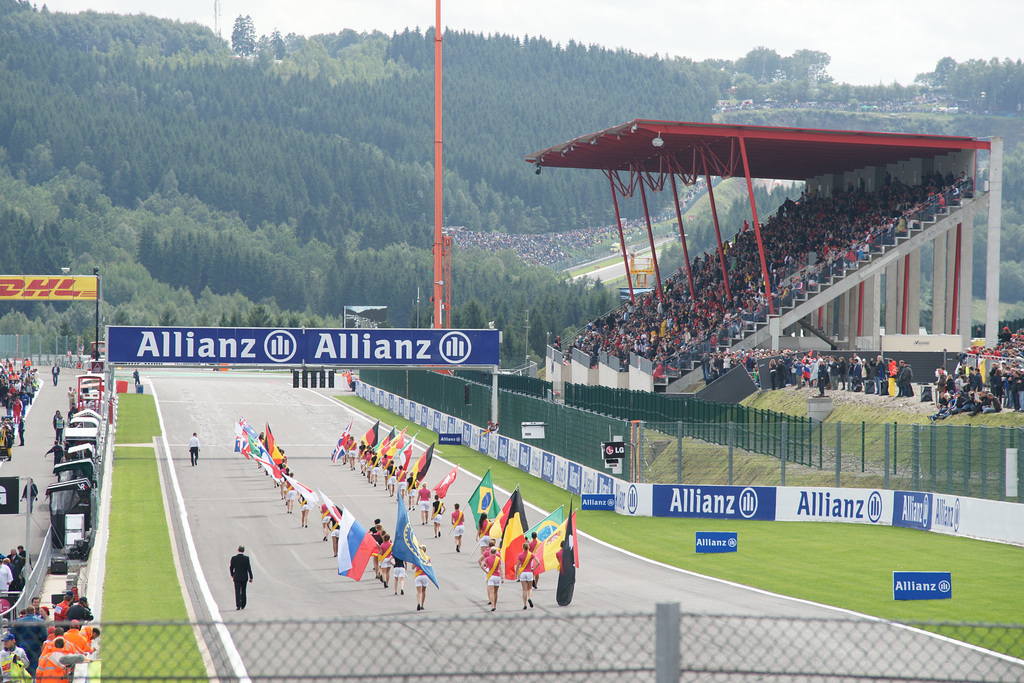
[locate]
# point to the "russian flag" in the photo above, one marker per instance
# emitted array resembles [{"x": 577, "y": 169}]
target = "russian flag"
[{"x": 354, "y": 547}]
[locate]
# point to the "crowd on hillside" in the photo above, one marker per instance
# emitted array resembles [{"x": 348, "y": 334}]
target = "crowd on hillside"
[
  {"x": 840, "y": 230},
  {"x": 559, "y": 248}
]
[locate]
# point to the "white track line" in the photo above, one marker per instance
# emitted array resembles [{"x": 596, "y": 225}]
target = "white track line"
[
  {"x": 725, "y": 582},
  {"x": 234, "y": 657}
]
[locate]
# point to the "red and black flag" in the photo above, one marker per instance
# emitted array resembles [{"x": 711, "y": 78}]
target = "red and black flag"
[
  {"x": 370, "y": 438},
  {"x": 513, "y": 534}
]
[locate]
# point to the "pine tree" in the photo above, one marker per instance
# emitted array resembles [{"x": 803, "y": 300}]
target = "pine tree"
[{"x": 243, "y": 37}]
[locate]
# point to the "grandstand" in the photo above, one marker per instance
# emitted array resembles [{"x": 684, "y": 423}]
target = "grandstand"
[{"x": 871, "y": 202}]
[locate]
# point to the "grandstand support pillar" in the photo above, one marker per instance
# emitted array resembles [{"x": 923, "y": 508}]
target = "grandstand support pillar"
[
  {"x": 950, "y": 282},
  {"x": 955, "y": 300},
  {"x": 650, "y": 239},
  {"x": 913, "y": 285},
  {"x": 622, "y": 239},
  {"x": 757, "y": 228},
  {"x": 873, "y": 293},
  {"x": 904, "y": 294},
  {"x": 846, "y": 305},
  {"x": 682, "y": 234},
  {"x": 995, "y": 216},
  {"x": 891, "y": 298},
  {"x": 939, "y": 284},
  {"x": 967, "y": 279},
  {"x": 718, "y": 239}
]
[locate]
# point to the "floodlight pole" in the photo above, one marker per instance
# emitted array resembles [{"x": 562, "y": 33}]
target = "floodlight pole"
[
  {"x": 439, "y": 283},
  {"x": 96, "y": 345}
]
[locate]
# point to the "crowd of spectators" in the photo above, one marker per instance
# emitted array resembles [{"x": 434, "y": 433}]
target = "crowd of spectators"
[
  {"x": 559, "y": 248},
  {"x": 839, "y": 230},
  {"x": 47, "y": 645}
]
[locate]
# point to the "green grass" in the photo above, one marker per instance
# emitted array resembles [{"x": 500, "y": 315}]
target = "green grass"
[
  {"x": 136, "y": 419},
  {"x": 140, "y": 583},
  {"x": 845, "y": 565}
]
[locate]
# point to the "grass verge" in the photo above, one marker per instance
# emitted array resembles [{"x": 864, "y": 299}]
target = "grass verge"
[
  {"x": 136, "y": 419},
  {"x": 140, "y": 584},
  {"x": 845, "y": 565}
]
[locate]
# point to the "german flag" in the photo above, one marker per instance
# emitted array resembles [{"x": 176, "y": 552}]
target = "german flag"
[
  {"x": 370, "y": 437},
  {"x": 272, "y": 449},
  {"x": 514, "y": 534},
  {"x": 420, "y": 467}
]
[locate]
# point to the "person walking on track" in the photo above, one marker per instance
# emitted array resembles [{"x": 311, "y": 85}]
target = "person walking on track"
[
  {"x": 241, "y": 573},
  {"x": 193, "y": 449}
]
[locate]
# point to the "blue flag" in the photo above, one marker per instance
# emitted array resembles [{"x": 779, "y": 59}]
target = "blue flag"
[{"x": 407, "y": 547}]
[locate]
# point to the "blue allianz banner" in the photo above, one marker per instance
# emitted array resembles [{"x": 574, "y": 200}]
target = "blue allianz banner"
[
  {"x": 912, "y": 509},
  {"x": 467, "y": 433},
  {"x": 524, "y": 457},
  {"x": 922, "y": 586},
  {"x": 714, "y": 502},
  {"x": 547, "y": 469},
  {"x": 598, "y": 501},
  {"x": 717, "y": 541},
  {"x": 449, "y": 439},
  {"x": 295, "y": 346},
  {"x": 575, "y": 482}
]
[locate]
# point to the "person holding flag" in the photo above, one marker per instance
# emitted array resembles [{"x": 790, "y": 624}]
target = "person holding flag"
[
  {"x": 420, "y": 579},
  {"x": 386, "y": 561},
  {"x": 438, "y": 511},
  {"x": 526, "y": 562},
  {"x": 409, "y": 549},
  {"x": 398, "y": 573},
  {"x": 513, "y": 535},
  {"x": 424, "y": 496},
  {"x": 483, "y": 537},
  {"x": 392, "y": 481},
  {"x": 490, "y": 562},
  {"x": 458, "y": 527}
]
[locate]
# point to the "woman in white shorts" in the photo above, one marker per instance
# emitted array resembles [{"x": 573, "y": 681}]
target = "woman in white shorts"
[
  {"x": 392, "y": 479},
  {"x": 398, "y": 571},
  {"x": 387, "y": 561},
  {"x": 438, "y": 512},
  {"x": 290, "y": 498},
  {"x": 375, "y": 473},
  {"x": 482, "y": 537},
  {"x": 421, "y": 581},
  {"x": 403, "y": 486},
  {"x": 304, "y": 509}
]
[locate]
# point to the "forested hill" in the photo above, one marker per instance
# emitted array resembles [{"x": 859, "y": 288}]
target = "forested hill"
[{"x": 147, "y": 148}]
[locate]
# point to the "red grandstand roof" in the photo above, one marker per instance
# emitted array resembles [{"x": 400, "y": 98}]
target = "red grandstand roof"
[{"x": 714, "y": 148}]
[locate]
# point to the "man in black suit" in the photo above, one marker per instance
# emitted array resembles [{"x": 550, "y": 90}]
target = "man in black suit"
[{"x": 241, "y": 571}]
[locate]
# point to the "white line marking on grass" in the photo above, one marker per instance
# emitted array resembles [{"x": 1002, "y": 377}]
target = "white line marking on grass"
[
  {"x": 761, "y": 591},
  {"x": 234, "y": 657}
]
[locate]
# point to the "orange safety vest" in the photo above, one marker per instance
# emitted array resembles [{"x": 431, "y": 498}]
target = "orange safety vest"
[{"x": 50, "y": 670}]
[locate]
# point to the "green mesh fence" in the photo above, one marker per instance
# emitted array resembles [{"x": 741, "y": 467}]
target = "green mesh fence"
[
  {"x": 441, "y": 392},
  {"x": 519, "y": 384}
]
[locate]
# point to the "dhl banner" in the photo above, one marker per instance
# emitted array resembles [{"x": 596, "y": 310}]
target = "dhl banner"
[{"x": 33, "y": 287}]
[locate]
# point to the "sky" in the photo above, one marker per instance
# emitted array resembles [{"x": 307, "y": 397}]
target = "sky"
[{"x": 870, "y": 41}]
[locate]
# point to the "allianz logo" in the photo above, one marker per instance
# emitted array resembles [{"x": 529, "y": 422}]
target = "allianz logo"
[
  {"x": 824, "y": 504},
  {"x": 549, "y": 467},
  {"x": 947, "y": 515},
  {"x": 574, "y": 478}
]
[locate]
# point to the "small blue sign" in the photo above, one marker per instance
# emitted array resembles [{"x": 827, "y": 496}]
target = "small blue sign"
[
  {"x": 598, "y": 501},
  {"x": 717, "y": 541},
  {"x": 524, "y": 457},
  {"x": 449, "y": 439},
  {"x": 547, "y": 469},
  {"x": 575, "y": 479},
  {"x": 922, "y": 586},
  {"x": 503, "y": 448}
]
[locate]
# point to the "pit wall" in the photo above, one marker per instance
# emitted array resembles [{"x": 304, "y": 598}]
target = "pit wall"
[{"x": 954, "y": 515}]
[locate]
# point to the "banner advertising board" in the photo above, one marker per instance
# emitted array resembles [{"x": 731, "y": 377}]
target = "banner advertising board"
[
  {"x": 48, "y": 287},
  {"x": 598, "y": 501},
  {"x": 9, "y": 495},
  {"x": 922, "y": 586},
  {"x": 295, "y": 346},
  {"x": 449, "y": 439},
  {"x": 860, "y": 506},
  {"x": 912, "y": 509},
  {"x": 717, "y": 541},
  {"x": 633, "y": 499},
  {"x": 714, "y": 502}
]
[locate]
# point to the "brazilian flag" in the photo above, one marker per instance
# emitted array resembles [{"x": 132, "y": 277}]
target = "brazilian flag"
[{"x": 482, "y": 501}]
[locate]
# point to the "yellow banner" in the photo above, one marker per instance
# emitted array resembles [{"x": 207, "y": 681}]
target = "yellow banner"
[{"x": 64, "y": 288}]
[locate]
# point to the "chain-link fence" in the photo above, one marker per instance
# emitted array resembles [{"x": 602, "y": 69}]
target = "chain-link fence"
[
  {"x": 38, "y": 347},
  {"x": 613, "y": 647},
  {"x": 956, "y": 460}
]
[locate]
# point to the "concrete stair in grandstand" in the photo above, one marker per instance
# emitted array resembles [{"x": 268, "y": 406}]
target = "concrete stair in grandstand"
[{"x": 756, "y": 334}]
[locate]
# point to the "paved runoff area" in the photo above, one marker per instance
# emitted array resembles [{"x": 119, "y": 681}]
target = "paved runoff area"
[{"x": 227, "y": 501}]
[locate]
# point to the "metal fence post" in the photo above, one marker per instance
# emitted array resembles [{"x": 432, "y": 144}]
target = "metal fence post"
[
  {"x": 732, "y": 440},
  {"x": 783, "y": 458},
  {"x": 679, "y": 452},
  {"x": 984, "y": 462},
  {"x": 640, "y": 451},
  {"x": 915, "y": 442},
  {"x": 666, "y": 639},
  {"x": 839, "y": 450},
  {"x": 886, "y": 484}
]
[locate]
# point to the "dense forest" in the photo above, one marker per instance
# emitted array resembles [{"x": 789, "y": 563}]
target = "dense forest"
[{"x": 279, "y": 181}]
